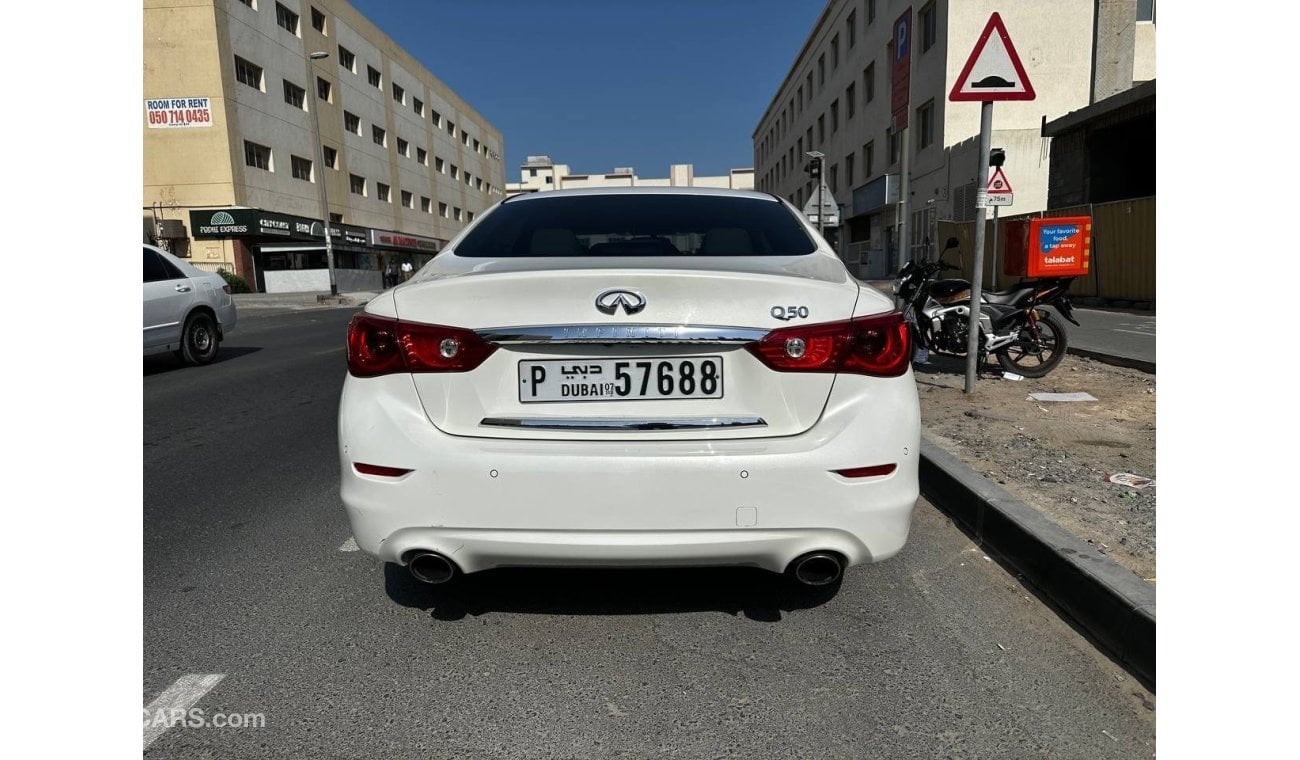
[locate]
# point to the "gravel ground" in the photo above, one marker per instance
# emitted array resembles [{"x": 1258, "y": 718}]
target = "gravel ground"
[{"x": 1055, "y": 456}]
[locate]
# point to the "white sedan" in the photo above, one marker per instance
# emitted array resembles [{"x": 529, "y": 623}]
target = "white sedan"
[
  {"x": 186, "y": 311},
  {"x": 631, "y": 377}
]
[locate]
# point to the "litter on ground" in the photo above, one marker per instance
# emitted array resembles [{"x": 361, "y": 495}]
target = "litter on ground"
[{"x": 1080, "y": 396}]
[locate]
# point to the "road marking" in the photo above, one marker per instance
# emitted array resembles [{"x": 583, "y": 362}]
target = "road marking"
[
  {"x": 179, "y": 696},
  {"x": 1135, "y": 332},
  {"x": 350, "y": 545},
  {"x": 334, "y": 350}
]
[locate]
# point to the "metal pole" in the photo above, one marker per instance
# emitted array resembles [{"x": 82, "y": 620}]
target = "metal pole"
[
  {"x": 821, "y": 210},
  {"x": 320, "y": 154},
  {"x": 993, "y": 270},
  {"x": 981, "y": 214},
  {"x": 904, "y": 192}
]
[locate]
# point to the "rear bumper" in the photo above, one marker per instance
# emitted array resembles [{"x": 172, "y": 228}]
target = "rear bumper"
[{"x": 763, "y": 501}]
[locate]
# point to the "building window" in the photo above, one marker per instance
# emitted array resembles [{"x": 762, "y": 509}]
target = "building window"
[
  {"x": 451, "y": 129},
  {"x": 455, "y": 173},
  {"x": 442, "y": 210},
  {"x": 869, "y": 83},
  {"x": 821, "y": 70},
  {"x": 808, "y": 140},
  {"x": 469, "y": 180},
  {"x": 1146, "y": 10},
  {"x": 347, "y": 60},
  {"x": 835, "y": 178},
  {"x": 336, "y": 218},
  {"x": 850, "y": 99},
  {"x": 821, "y": 129},
  {"x": 439, "y": 165},
  {"x": 378, "y": 135},
  {"x": 408, "y": 199},
  {"x": 381, "y": 191},
  {"x": 476, "y": 147},
  {"x": 351, "y": 123},
  {"x": 257, "y": 156},
  {"x": 871, "y": 11},
  {"x": 457, "y": 214},
  {"x": 925, "y": 121},
  {"x": 464, "y": 138},
  {"x": 301, "y": 167},
  {"x": 799, "y": 145},
  {"x": 418, "y": 105},
  {"x": 848, "y": 170},
  {"x": 426, "y": 205},
  {"x": 324, "y": 89},
  {"x": 287, "y": 19},
  {"x": 317, "y": 20},
  {"x": 357, "y": 184},
  {"x": 399, "y": 94},
  {"x": 250, "y": 3},
  {"x": 373, "y": 75},
  {"x": 926, "y": 20},
  {"x": 437, "y": 118},
  {"x": 331, "y": 157},
  {"x": 248, "y": 73},
  {"x": 403, "y": 147},
  {"x": 422, "y": 156},
  {"x": 851, "y": 28},
  {"x": 294, "y": 95},
  {"x": 799, "y": 100},
  {"x": 835, "y": 52},
  {"x": 868, "y": 158},
  {"x": 469, "y": 216},
  {"x": 478, "y": 184},
  {"x": 835, "y": 116}
]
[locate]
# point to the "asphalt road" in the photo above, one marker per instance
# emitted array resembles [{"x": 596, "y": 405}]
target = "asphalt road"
[
  {"x": 1119, "y": 333},
  {"x": 935, "y": 653}
]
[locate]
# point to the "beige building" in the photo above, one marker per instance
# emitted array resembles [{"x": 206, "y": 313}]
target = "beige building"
[
  {"x": 539, "y": 174},
  {"x": 232, "y": 170},
  {"x": 836, "y": 100}
]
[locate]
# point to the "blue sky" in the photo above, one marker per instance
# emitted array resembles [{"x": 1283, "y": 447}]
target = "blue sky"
[{"x": 603, "y": 83}]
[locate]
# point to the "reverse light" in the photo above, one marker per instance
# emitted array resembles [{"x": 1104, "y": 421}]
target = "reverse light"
[
  {"x": 383, "y": 346},
  {"x": 879, "y": 345}
]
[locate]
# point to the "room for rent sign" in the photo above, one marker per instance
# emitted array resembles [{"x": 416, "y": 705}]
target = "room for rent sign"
[{"x": 166, "y": 113}]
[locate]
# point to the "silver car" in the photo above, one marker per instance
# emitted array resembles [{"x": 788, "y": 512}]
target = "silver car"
[{"x": 186, "y": 311}]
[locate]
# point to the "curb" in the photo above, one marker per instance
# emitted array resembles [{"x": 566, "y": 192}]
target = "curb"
[
  {"x": 1116, "y": 361},
  {"x": 1108, "y": 601}
]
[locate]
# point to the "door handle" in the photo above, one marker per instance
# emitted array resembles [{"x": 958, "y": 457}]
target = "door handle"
[{"x": 182, "y": 288}]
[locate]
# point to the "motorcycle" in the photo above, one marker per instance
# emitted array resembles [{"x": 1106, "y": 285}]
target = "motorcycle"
[{"x": 1026, "y": 339}]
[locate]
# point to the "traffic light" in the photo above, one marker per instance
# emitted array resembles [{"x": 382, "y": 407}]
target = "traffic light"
[{"x": 997, "y": 157}]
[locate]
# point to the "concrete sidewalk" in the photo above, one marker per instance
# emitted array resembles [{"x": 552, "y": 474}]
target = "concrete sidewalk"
[{"x": 300, "y": 300}]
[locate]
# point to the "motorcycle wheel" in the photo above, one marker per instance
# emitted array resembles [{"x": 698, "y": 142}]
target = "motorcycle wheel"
[{"x": 1035, "y": 358}]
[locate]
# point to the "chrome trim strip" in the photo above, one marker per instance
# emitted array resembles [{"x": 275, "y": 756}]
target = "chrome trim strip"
[
  {"x": 625, "y": 333},
  {"x": 615, "y": 423}
]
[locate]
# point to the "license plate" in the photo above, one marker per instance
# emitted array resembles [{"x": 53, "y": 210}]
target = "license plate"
[{"x": 620, "y": 379}]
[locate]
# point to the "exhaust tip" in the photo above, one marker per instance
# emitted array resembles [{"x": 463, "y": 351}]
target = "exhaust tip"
[
  {"x": 430, "y": 567},
  {"x": 817, "y": 568}
]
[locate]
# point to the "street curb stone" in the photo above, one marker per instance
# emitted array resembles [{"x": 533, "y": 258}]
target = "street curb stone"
[
  {"x": 1108, "y": 601},
  {"x": 1116, "y": 361}
]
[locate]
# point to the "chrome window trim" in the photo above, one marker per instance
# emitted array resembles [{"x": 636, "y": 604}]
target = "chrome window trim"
[
  {"x": 623, "y": 333},
  {"x": 619, "y": 423}
]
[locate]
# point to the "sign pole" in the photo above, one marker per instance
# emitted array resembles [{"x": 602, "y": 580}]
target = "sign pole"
[
  {"x": 981, "y": 214},
  {"x": 904, "y": 193},
  {"x": 821, "y": 205},
  {"x": 993, "y": 270}
]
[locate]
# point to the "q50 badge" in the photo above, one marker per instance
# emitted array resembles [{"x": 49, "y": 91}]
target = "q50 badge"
[{"x": 787, "y": 313}]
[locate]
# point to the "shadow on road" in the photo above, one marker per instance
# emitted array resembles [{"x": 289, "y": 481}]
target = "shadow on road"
[
  {"x": 757, "y": 594},
  {"x": 159, "y": 363}
]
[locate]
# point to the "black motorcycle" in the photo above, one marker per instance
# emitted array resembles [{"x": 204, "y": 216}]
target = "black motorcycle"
[{"x": 1027, "y": 339}]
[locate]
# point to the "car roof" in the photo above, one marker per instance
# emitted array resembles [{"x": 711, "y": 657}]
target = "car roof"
[{"x": 643, "y": 190}]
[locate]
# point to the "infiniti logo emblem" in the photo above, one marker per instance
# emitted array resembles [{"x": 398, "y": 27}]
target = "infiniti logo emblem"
[{"x": 609, "y": 301}]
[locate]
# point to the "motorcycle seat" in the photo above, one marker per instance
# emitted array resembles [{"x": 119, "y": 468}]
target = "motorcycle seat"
[{"x": 1007, "y": 297}]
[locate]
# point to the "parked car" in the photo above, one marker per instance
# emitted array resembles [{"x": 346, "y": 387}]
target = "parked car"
[
  {"x": 186, "y": 311},
  {"x": 631, "y": 377}
]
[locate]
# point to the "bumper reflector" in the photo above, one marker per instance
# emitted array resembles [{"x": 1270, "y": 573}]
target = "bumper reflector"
[
  {"x": 867, "y": 472},
  {"x": 375, "y": 469}
]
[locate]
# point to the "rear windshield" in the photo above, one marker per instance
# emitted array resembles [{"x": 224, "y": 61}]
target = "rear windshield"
[{"x": 638, "y": 225}]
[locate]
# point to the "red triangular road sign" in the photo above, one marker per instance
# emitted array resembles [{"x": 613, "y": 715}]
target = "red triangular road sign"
[
  {"x": 999, "y": 183},
  {"x": 993, "y": 71}
]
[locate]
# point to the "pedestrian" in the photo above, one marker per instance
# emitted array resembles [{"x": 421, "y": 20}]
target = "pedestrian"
[
  {"x": 407, "y": 270},
  {"x": 390, "y": 275}
]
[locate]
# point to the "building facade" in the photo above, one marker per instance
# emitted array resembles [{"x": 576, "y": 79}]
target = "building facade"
[
  {"x": 233, "y": 174},
  {"x": 836, "y": 100},
  {"x": 540, "y": 173}
]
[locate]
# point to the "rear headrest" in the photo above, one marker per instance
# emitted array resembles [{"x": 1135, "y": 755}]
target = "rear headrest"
[
  {"x": 553, "y": 241},
  {"x": 726, "y": 241}
]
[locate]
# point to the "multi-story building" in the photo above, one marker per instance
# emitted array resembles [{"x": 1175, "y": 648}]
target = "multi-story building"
[
  {"x": 236, "y": 92},
  {"x": 540, "y": 173},
  {"x": 836, "y": 100}
]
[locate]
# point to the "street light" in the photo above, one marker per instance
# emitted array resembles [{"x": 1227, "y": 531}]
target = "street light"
[{"x": 320, "y": 154}]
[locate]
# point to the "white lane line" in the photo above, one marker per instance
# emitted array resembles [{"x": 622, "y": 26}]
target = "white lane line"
[
  {"x": 179, "y": 696},
  {"x": 334, "y": 350},
  {"x": 1135, "y": 332},
  {"x": 350, "y": 545}
]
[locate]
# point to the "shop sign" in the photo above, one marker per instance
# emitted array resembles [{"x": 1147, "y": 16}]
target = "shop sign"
[
  {"x": 400, "y": 240},
  {"x": 218, "y": 223}
]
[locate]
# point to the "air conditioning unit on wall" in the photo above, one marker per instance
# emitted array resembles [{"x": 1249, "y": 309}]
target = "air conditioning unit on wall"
[{"x": 171, "y": 229}]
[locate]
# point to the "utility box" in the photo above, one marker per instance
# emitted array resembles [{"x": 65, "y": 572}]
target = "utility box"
[{"x": 1049, "y": 247}]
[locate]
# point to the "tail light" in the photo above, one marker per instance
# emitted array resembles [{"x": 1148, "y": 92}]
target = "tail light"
[
  {"x": 382, "y": 346},
  {"x": 878, "y": 345}
]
